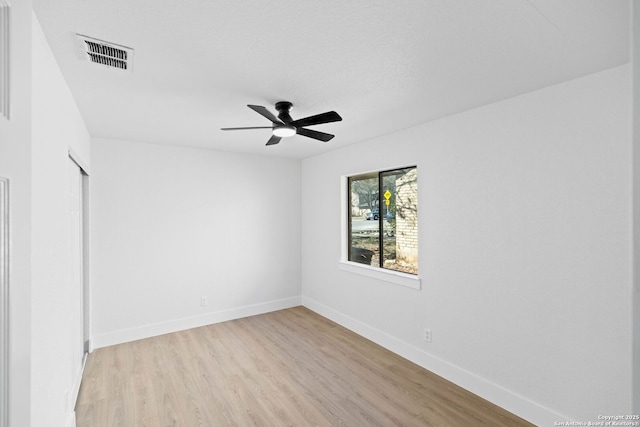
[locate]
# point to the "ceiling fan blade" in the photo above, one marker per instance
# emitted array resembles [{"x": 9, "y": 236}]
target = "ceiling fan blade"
[
  {"x": 265, "y": 113},
  {"x": 328, "y": 117},
  {"x": 314, "y": 134},
  {"x": 253, "y": 127},
  {"x": 273, "y": 140}
]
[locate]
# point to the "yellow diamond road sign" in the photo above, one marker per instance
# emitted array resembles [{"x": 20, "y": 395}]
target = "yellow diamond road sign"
[{"x": 387, "y": 195}]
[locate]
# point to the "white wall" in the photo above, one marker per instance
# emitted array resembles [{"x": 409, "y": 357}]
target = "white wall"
[
  {"x": 170, "y": 225},
  {"x": 57, "y": 126},
  {"x": 15, "y": 164},
  {"x": 525, "y": 249}
]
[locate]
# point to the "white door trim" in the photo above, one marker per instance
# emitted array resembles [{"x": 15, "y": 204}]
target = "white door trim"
[
  {"x": 4, "y": 302},
  {"x": 78, "y": 160},
  {"x": 86, "y": 288}
]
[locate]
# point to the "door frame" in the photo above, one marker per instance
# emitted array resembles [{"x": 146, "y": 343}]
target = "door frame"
[
  {"x": 4, "y": 302},
  {"x": 85, "y": 218},
  {"x": 86, "y": 289}
]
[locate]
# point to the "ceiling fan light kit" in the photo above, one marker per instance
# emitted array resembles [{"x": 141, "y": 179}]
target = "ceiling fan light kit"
[
  {"x": 284, "y": 131},
  {"x": 284, "y": 126}
]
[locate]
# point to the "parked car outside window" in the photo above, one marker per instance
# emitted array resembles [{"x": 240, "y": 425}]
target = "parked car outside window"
[{"x": 374, "y": 214}]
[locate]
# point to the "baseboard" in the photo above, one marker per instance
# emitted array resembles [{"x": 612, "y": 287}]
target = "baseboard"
[
  {"x": 75, "y": 389},
  {"x": 152, "y": 330},
  {"x": 71, "y": 421},
  {"x": 507, "y": 399}
]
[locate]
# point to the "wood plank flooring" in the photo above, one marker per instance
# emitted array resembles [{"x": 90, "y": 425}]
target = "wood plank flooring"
[{"x": 286, "y": 368}]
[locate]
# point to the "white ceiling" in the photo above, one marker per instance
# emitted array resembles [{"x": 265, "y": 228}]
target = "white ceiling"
[{"x": 383, "y": 65}]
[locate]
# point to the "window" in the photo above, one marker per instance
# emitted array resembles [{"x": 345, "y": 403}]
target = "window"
[{"x": 383, "y": 219}]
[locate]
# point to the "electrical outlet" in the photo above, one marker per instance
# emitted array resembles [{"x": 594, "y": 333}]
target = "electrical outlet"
[
  {"x": 427, "y": 335},
  {"x": 203, "y": 301}
]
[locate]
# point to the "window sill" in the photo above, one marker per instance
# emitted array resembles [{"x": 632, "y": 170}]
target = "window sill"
[{"x": 395, "y": 277}]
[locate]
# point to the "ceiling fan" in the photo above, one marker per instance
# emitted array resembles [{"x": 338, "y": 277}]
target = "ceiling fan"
[{"x": 284, "y": 126}]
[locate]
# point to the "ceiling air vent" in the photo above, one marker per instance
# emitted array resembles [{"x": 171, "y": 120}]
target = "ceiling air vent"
[{"x": 104, "y": 53}]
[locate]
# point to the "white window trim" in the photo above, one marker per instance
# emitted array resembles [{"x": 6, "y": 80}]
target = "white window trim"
[{"x": 378, "y": 273}]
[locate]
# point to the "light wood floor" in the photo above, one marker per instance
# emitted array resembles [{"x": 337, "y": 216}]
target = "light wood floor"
[{"x": 287, "y": 368}]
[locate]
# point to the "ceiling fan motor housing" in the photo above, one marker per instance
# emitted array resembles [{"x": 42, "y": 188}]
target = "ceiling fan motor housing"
[{"x": 283, "y": 108}]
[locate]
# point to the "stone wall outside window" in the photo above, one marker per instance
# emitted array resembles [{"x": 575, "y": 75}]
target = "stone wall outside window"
[{"x": 407, "y": 218}]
